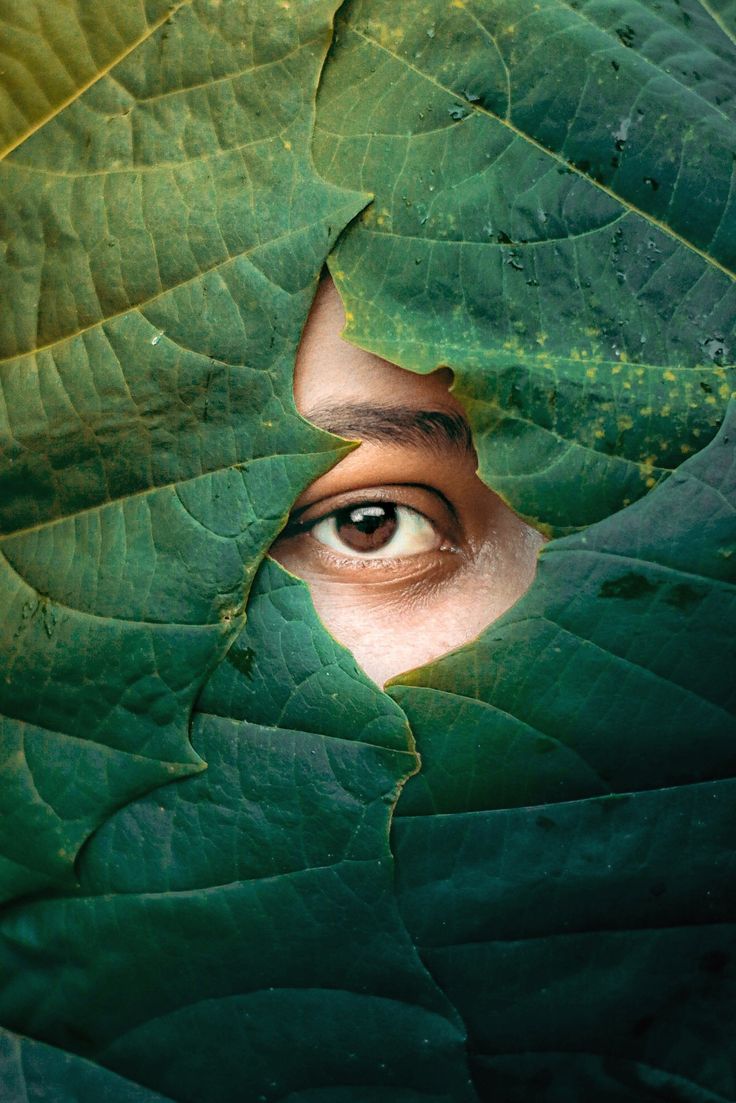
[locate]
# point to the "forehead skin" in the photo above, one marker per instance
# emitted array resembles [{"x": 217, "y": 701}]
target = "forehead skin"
[
  {"x": 330, "y": 371},
  {"x": 405, "y": 616}
]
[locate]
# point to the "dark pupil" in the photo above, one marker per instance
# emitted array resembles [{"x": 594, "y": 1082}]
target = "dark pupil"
[{"x": 366, "y": 528}]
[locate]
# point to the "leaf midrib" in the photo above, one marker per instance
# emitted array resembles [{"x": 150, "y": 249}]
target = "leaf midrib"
[
  {"x": 140, "y": 307},
  {"x": 59, "y": 107}
]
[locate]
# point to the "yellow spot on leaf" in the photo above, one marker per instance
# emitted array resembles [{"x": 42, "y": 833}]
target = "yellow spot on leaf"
[
  {"x": 669, "y": 376},
  {"x": 624, "y": 423}
]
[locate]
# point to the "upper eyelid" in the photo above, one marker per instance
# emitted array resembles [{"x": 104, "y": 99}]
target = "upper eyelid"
[
  {"x": 311, "y": 522},
  {"x": 366, "y": 495}
]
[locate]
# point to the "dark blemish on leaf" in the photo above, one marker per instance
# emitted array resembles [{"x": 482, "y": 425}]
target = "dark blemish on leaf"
[
  {"x": 471, "y": 97},
  {"x": 33, "y": 607},
  {"x": 716, "y": 349},
  {"x": 653, "y": 184},
  {"x": 242, "y": 660},
  {"x": 205, "y": 412},
  {"x": 682, "y": 596},
  {"x": 49, "y": 617},
  {"x": 641, "y": 1026},
  {"x": 714, "y": 961},
  {"x": 706, "y": 387},
  {"x": 584, "y": 166},
  {"x": 621, "y": 134},
  {"x": 627, "y": 35},
  {"x": 545, "y": 823},
  {"x": 503, "y": 238},
  {"x": 516, "y": 395},
  {"x": 628, "y": 586},
  {"x": 615, "y": 65},
  {"x": 458, "y": 111},
  {"x": 542, "y": 1079}
]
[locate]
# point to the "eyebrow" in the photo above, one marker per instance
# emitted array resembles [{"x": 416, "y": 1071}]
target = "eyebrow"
[{"x": 438, "y": 429}]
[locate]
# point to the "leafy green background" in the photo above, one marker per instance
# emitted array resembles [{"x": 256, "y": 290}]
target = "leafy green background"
[{"x": 207, "y": 892}]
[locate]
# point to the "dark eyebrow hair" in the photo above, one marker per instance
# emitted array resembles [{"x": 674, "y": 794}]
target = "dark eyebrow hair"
[{"x": 395, "y": 424}]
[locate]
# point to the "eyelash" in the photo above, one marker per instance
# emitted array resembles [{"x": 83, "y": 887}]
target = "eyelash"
[{"x": 395, "y": 497}]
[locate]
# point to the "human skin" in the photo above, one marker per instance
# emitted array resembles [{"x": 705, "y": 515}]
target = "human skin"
[{"x": 432, "y": 556}]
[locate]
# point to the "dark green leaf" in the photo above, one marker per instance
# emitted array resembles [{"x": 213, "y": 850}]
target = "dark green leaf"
[
  {"x": 35, "y": 1073},
  {"x": 164, "y": 231},
  {"x": 553, "y": 219},
  {"x": 235, "y": 935},
  {"x": 575, "y": 895}
]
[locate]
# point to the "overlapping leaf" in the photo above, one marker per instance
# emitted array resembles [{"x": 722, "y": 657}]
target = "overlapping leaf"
[
  {"x": 236, "y": 935},
  {"x": 164, "y": 229},
  {"x": 553, "y": 219},
  {"x": 573, "y": 890},
  {"x": 32, "y": 1071}
]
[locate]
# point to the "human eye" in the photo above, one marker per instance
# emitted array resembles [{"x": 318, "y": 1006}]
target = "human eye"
[
  {"x": 374, "y": 530},
  {"x": 390, "y": 528}
]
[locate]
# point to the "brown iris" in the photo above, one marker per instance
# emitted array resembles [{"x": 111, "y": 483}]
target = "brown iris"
[{"x": 366, "y": 528}]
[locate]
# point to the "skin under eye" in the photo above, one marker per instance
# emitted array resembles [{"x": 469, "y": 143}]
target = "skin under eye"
[{"x": 377, "y": 530}]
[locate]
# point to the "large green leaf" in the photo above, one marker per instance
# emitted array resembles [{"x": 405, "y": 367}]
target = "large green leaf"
[
  {"x": 553, "y": 219},
  {"x": 32, "y": 1071},
  {"x": 235, "y": 935},
  {"x": 575, "y": 896},
  {"x": 164, "y": 231}
]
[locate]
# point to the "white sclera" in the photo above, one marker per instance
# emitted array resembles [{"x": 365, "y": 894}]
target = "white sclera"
[{"x": 413, "y": 535}]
